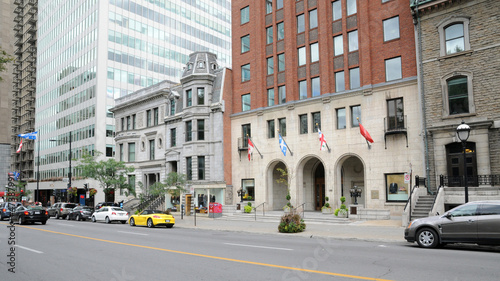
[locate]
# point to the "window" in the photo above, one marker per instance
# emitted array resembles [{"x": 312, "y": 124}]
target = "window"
[
  {"x": 172, "y": 107},
  {"x": 189, "y": 168},
  {"x": 393, "y": 69},
  {"x": 270, "y": 97},
  {"x": 315, "y": 87},
  {"x": 301, "y": 25},
  {"x": 246, "y": 132},
  {"x": 248, "y": 187},
  {"x": 245, "y": 43},
  {"x": 338, "y": 45},
  {"x": 131, "y": 181},
  {"x": 302, "y": 55},
  {"x": 270, "y": 129},
  {"x": 281, "y": 30},
  {"x": 313, "y": 19},
  {"x": 201, "y": 167},
  {"x": 173, "y": 138},
  {"x": 314, "y": 52},
  {"x": 131, "y": 152},
  {"x": 281, "y": 62},
  {"x": 353, "y": 40},
  {"x": 148, "y": 120},
  {"x": 155, "y": 116},
  {"x": 303, "y": 124},
  {"x": 395, "y": 114},
  {"x": 391, "y": 28},
  {"x": 281, "y": 94},
  {"x": 454, "y": 37},
  {"x": 245, "y": 102},
  {"x": 189, "y": 98},
  {"x": 269, "y": 6},
  {"x": 109, "y": 150},
  {"x": 245, "y": 15},
  {"x": 189, "y": 130},
  {"x": 128, "y": 123},
  {"x": 151, "y": 149},
  {"x": 282, "y": 126},
  {"x": 121, "y": 151},
  {"x": 354, "y": 79},
  {"x": 337, "y": 10},
  {"x": 396, "y": 188},
  {"x": 303, "y": 89},
  {"x": 341, "y": 122},
  {"x": 351, "y": 7},
  {"x": 279, "y": 4},
  {"x": 201, "y": 96},
  {"x": 133, "y": 121},
  {"x": 355, "y": 114},
  {"x": 458, "y": 98},
  {"x": 123, "y": 124},
  {"x": 201, "y": 129},
  {"x": 316, "y": 116},
  {"x": 245, "y": 72},
  {"x": 339, "y": 81},
  {"x": 270, "y": 65},
  {"x": 269, "y": 35}
]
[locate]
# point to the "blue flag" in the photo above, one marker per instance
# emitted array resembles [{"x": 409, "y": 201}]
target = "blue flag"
[
  {"x": 30, "y": 136},
  {"x": 282, "y": 145}
]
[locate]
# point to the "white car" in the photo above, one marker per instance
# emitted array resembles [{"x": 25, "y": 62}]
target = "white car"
[{"x": 110, "y": 214}]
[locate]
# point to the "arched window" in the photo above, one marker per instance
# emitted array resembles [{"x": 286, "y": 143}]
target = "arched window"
[{"x": 454, "y": 38}]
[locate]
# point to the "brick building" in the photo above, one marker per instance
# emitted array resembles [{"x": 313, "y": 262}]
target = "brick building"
[{"x": 301, "y": 66}]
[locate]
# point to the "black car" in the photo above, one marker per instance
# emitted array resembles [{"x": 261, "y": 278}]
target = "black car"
[
  {"x": 6, "y": 209},
  {"x": 80, "y": 213},
  {"x": 29, "y": 214}
]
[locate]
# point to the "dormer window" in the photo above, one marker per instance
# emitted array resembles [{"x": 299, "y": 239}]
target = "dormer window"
[
  {"x": 214, "y": 66},
  {"x": 201, "y": 64},
  {"x": 189, "y": 66}
]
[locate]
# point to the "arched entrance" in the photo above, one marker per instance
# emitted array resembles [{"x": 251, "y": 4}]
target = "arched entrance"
[
  {"x": 312, "y": 184},
  {"x": 350, "y": 174},
  {"x": 277, "y": 191}
]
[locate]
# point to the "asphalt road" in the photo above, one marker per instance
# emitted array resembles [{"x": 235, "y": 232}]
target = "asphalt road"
[{"x": 71, "y": 250}]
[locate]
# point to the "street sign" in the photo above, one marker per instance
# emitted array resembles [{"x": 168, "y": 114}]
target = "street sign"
[{"x": 407, "y": 178}]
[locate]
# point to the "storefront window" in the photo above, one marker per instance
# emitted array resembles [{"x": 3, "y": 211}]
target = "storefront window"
[
  {"x": 248, "y": 188},
  {"x": 396, "y": 188}
]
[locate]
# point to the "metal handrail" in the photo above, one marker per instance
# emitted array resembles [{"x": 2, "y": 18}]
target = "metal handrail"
[
  {"x": 303, "y": 209},
  {"x": 263, "y": 210}
]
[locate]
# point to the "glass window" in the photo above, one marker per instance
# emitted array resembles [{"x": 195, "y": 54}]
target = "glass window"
[
  {"x": 131, "y": 152},
  {"x": 337, "y": 10},
  {"x": 281, "y": 30},
  {"x": 269, "y": 6},
  {"x": 313, "y": 19},
  {"x": 172, "y": 107},
  {"x": 121, "y": 152},
  {"x": 133, "y": 121},
  {"x": 246, "y": 132},
  {"x": 151, "y": 149},
  {"x": 395, "y": 114},
  {"x": 279, "y": 4},
  {"x": 351, "y": 7},
  {"x": 353, "y": 40},
  {"x": 315, "y": 87},
  {"x": 269, "y": 35},
  {"x": 201, "y": 167},
  {"x": 148, "y": 116},
  {"x": 270, "y": 129},
  {"x": 173, "y": 136},
  {"x": 245, "y": 72},
  {"x": 354, "y": 79},
  {"x": 245, "y": 102},
  {"x": 391, "y": 28},
  {"x": 316, "y": 116},
  {"x": 201, "y": 96},
  {"x": 301, "y": 25},
  {"x": 270, "y": 97},
  {"x": 341, "y": 122},
  {"x": 245, "y": 43},
  {"x": 302, "y": 55},
  {"x": 303, "y": 124},
  {"x": 355, "y": 114},
  {"x": 248, "y": 187},
  {"x": 201, "y": 129},
  {"x": 155, "y": 116},
  {"x": 123, "y": 124},
  {"x": 189, "y": 168},
  {"x": 458, "y": 97},
  {"x": 339, "y": 81},
  {"x": 270, "y": 65},
  {"x": 245, "y": 15},
  {"x": 128, "y": 123},
  {"x": 454, "y": 37},
  {"x": 281, "y": 62},
  {"x": 393, "y": 69},
  {"x": 314, "y": 52},
  {"x": 189, "y": 98},
  {"x": 282, "y": 125},
  {"x": 338, "y": 45},
  {"x": 396, "y": 188},
  {"x": 281, "y": 94},
  {"x": 189, "y": 131},
  {"x": 303, "y": 89}
]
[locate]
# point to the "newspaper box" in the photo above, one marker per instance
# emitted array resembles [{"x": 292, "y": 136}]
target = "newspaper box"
[{"x": 214, "y": 210}]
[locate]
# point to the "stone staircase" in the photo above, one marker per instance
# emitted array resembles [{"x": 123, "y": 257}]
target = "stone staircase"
[
  {"x": 422, "y": 207},
  {"x": 275, "y": 217}
]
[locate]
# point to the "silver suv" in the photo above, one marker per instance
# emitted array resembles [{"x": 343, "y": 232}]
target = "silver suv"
[{"x": 60, "y": 210}]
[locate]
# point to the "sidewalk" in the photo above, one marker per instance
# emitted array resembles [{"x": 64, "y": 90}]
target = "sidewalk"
[{"x": 376, "y": 230}]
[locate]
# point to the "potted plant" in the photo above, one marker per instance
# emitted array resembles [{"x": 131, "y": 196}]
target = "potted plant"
[
  {"x": 342, "y": 211},
  {"x": 326, "y": 209},
  {"x": 248, "y": 208},
  {"x": 288, "y": 207}
]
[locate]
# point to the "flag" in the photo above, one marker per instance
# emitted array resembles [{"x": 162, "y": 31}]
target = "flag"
[
  {"x": 322, "y": 141},
  {"x": 365, "y": 133},
  {"x": 282, "y": 144},
  {"x": 30, "y": 136},
  {"x": 250, "y": 148},
  {"x": 20, "y": 146}
]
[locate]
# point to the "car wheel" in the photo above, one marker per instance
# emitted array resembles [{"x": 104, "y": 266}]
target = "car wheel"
[
  {"x": 150, "y": 223},
  {"x": 57, "y": 216},
  {"x": 43, "y": 222},
  {"x": 78, "y": 217},
  {"x": 68, "y": 218},
  {"x": 132, "y": 222},
  {"x": 108, "y": 220},
  {"x": 427, "y": 238},
  {"x": 20, "y": 221},
  {"x": 93, "y": 219}
]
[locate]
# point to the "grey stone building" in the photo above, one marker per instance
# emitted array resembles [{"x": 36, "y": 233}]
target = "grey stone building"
[{"x": 458, "y": 53}]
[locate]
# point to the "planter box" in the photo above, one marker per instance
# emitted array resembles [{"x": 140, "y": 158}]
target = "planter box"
[{"x": 327, "y": 211}]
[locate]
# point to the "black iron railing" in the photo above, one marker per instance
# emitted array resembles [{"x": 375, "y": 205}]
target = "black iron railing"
[{"x": 474, "y": 181}]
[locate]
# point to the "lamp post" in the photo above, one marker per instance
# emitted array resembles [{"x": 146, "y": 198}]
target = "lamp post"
[
  {"x": 69, "y": 172},
  {"x": 463, "y": 132},
  {"x": 355, "y": 192}
]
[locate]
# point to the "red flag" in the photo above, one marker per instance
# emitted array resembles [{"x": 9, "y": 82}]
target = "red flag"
[
  {"x": 365, "y": 133},
  {"x": 322, "y": 141},
  {"x": 250, "y": 148},
  {"x": 20, "y": 146}
]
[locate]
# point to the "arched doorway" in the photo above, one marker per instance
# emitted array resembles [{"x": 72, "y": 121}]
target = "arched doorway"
[
  {"x": 312, "y": 183},
  {"x": 350, "y": 174},
  {"x": 277, "y": 191}
]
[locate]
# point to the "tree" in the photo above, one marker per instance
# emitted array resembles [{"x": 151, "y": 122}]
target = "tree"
[
  {"x": 173, "y": 185},
  {"x": 285, "y": 178},
  {"x": 4, "y": 59},
  {"x": 110, "y": 173}
]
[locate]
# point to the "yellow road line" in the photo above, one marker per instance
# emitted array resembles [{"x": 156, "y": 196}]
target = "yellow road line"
[{"x": 213, "y": 257}]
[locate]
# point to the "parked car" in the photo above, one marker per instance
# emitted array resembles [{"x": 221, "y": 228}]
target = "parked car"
[
  {"x": 102, "y": 204},
  {"x": 6, "y": 209},
  {"x": 110, "y": 214},
  {"x": 29, "y": 214},
  {"x": 474, "y": 222},
  {"x": 60, "y": 210},
  {"x": 80, "y": 213},
  {"x": 152, "y": 218}
]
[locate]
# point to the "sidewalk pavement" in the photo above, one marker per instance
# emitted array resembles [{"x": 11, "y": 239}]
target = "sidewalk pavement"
[{"x": 375, "y": 230}]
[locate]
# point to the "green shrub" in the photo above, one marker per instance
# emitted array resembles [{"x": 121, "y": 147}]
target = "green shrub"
[
  {"x": 249, "y": 204},
  {"x": 248, "y": 209},
  {"x": 291, "y": 223}
]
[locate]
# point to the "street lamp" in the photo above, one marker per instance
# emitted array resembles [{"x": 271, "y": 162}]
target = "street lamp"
[
  {"x": 463, "y": 132},
  {"x": 69, "y": 172},
  {"x": 355, "y": 192}
]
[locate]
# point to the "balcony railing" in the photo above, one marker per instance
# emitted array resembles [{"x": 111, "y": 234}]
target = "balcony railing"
[
  {"x": 473, "y": 181},
  {"x": 395, "y": 125}
]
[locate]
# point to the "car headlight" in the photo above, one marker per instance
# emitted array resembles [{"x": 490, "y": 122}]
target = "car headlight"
[{"x": 409, "y": 225}]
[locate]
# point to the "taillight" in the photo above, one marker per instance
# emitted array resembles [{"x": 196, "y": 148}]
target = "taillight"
[
  {"x": 46, "y": 213},
  {"x": 113, "y": 213},
  {"x": 26, "y": 213},
  {"x": 81, "y": 212},
  {"x": 61, "y": 209},
  {"x": 156, "y": 217},
  {"x": 3, "y": 210}
]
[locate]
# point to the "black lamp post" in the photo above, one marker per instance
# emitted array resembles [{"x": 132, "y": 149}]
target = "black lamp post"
[
  {"x": 69, "y": 172},
  {"x": 355, "y": 192},
  {"x": 463, "y": 132}
]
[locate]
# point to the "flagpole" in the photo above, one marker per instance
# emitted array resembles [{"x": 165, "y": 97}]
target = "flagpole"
[
  {"x": 38, "y": 172},
  {"x": 261, "y": 157},
  {"x": 286, "y": 144},
  {"x": 323, "y": 138}
]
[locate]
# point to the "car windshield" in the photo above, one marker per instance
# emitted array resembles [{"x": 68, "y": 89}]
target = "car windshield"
[
  {"x": 149, "y": 212},
  {"x": 35, "y": 208},
  {"x": 117, "y": 209}
]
